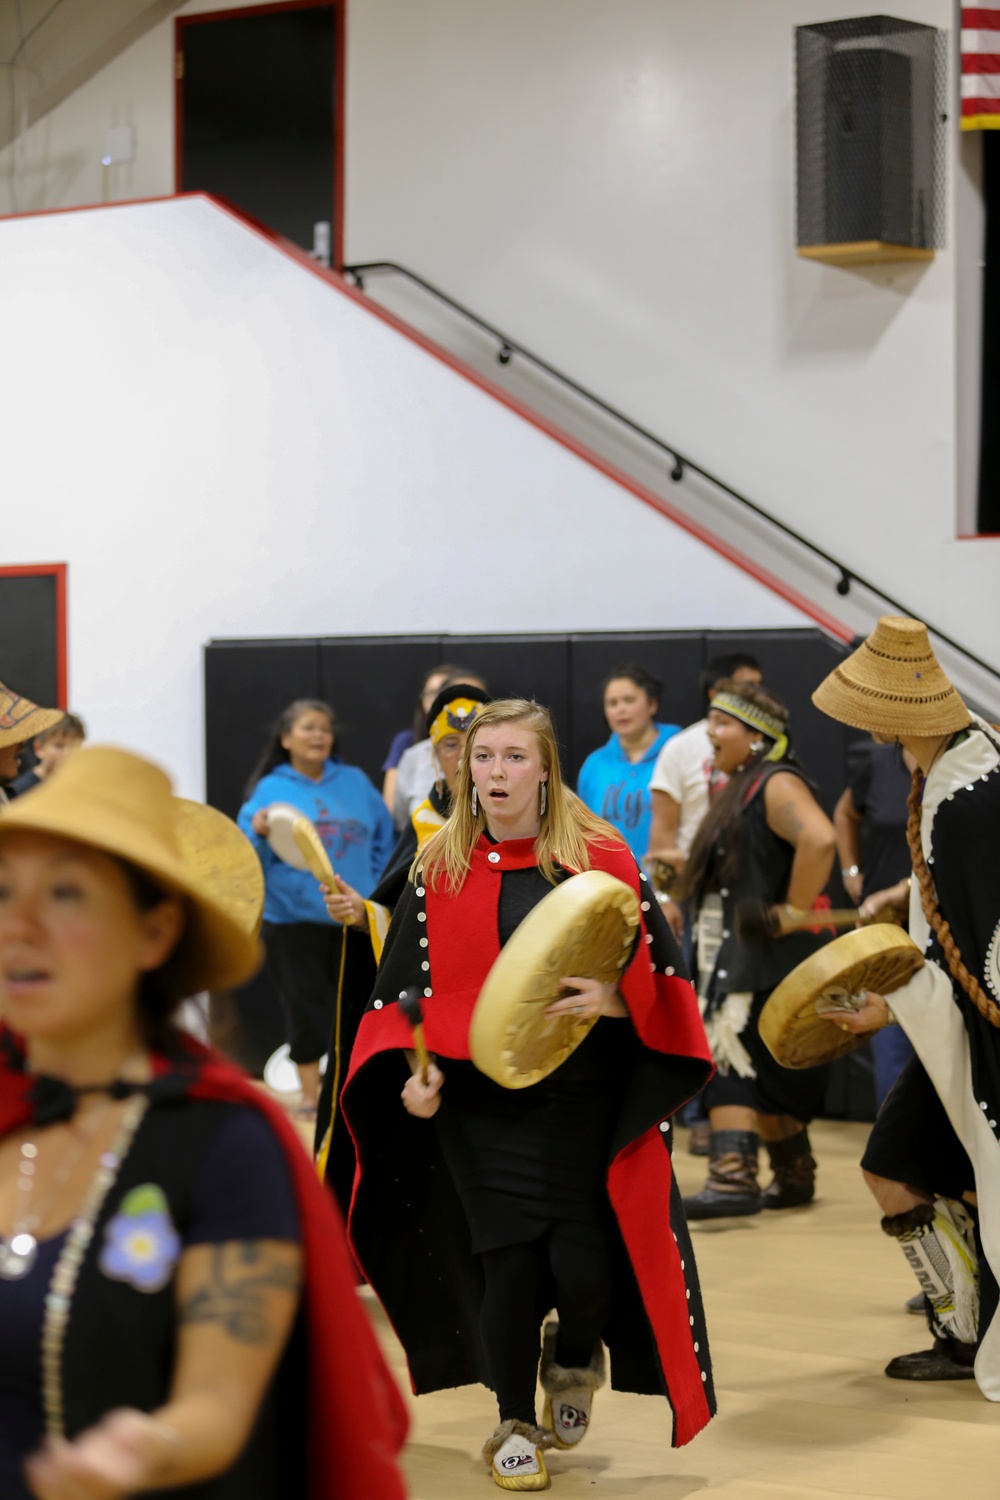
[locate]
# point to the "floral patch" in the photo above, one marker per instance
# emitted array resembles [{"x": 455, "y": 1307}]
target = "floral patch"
[{"x": 141, "y": 1245}]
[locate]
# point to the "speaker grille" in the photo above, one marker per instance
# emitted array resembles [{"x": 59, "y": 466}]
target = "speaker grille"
[{"x": 871, "y": 108}]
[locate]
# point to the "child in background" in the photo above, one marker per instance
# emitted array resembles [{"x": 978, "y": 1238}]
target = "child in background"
[{"x": 49, "y": 749}]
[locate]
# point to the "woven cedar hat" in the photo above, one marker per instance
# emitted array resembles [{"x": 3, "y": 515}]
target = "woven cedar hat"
[
  {"x": 222, "y": 859},
  {"x": 120, "y": 804},
  {"x": 21, "y": 720},
  {"x": 893, "y": 684}
]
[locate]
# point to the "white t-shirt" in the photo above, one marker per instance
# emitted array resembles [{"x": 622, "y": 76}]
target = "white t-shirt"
[
  {"x": 414, "y": 779},
  {"x": 685, "y": 770}
]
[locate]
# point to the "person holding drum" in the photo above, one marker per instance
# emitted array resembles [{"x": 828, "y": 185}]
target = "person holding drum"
[
  {"x": 933, "y": 1157},
  {"x": 764, "y": 839},
  {"x": 481, "y": 1206},
  {"x": 176, "y": 1297},
  {"x": 303, "y": 949}
]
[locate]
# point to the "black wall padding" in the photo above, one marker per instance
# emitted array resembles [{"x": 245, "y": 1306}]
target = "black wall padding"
[
  {"x": 29, "y": 661},
  {"x": 247, "y": 685},
  {"x": 372, "y": 683},
  {"x": 675, "y": 658}
]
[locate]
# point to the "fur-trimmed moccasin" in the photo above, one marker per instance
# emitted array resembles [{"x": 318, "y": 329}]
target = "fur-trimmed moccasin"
[
  {"x": 514, "y": 1456},
  {"x": 569, "y": 1393}
]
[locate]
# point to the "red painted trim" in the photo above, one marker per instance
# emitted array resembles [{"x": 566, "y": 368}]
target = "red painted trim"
[
  {"x": 339, "y": 77},
  {"x": 336, "y": 281},
  {"x": 978, "y": 536},
  {"x": 58, "y": 572}
]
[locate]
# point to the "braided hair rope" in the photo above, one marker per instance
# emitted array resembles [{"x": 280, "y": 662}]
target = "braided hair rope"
[{"x": 928, "y": 900}]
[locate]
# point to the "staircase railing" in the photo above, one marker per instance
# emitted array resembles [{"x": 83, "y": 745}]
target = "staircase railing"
[{"x": 509, "y": 348}]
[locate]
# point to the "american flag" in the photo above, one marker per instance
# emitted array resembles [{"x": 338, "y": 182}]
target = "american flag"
[{"x": 981, "y": 66}]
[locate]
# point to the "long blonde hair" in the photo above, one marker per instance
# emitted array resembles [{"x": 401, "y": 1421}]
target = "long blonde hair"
[{"x": 566, "y": 828}]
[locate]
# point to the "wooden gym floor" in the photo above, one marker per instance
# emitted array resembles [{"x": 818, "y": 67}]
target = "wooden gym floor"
[{"x": 804, "y": 1309}]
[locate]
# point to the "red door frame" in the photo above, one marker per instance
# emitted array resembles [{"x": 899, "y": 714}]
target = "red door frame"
[
  {"x": 58, "y": 572},
  {"x": 339, "y": 78}
]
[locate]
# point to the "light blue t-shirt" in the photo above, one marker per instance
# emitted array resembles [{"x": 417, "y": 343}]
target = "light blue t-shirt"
[{"x": 617, "y": 789}]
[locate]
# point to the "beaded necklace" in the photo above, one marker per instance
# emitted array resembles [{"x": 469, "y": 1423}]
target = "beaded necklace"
[{"x": 59, "y": 1299}]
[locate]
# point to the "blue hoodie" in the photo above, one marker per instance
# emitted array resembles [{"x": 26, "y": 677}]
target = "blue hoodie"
[
  {"x": 350, "y": 818},
  {"x": 617, "y": 788}
]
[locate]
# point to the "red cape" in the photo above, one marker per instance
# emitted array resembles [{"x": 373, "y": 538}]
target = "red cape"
[
  {"x": 356, "y": 1419},
  {"x": 462, "y": 941}
]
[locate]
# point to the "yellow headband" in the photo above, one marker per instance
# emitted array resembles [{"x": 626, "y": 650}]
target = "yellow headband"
[
  {"x": 754, "y": 718},
  {"x": 455, "y": 718}
]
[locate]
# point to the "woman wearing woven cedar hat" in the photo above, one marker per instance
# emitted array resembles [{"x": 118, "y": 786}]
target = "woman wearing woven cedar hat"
[
  {"x": 449, "y": 718},
  {"x": 764, "y": 838},
  {"x": 934, "y": 1152},
  {"x": 20, "y": 721},
  {"x": 480, "y": 1206},
  {"x": 175, "y": 1294}
]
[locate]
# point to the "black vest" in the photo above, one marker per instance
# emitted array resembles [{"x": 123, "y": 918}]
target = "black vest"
[{"x": 765, "y": 867}]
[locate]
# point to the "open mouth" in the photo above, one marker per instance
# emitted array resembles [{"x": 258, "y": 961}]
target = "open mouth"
[
  {"x": 24, "y": 978},
  {"x": 496, "y": 795}
]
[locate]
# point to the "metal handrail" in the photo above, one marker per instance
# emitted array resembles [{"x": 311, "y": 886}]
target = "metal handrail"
[{"x": 508, "y": 347}]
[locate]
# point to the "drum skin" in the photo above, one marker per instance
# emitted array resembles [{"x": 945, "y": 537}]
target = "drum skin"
[
  {"x": 585, "y": 927},
  {"x": 880, "y": 958},
  {"x": 282, "y": 818}
]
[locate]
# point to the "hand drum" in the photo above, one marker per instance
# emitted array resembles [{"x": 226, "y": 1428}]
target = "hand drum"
[
  {"x": 881, "y": 958},
  {"x": 585, "y": 927}
]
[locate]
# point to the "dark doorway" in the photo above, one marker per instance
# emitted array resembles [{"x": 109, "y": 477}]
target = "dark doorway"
[
  {"x": 259, "y": 113},
  {"x": 988, "y": 518},
  {"x": 33, "y": 632}
]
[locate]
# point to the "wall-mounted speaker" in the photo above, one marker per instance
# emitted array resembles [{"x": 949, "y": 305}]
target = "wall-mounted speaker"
[{"x": 870, "y": 138}]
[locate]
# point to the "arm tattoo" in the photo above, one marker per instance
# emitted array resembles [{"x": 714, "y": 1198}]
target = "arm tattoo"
[
  {"x": 236, "y": 1294},
  {"x": 786, "y": 822}
]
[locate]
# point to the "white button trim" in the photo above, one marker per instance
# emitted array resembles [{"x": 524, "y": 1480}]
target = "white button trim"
[
  {"x": 493, "y": 857},
  {"x": 378, "y": 1004}
]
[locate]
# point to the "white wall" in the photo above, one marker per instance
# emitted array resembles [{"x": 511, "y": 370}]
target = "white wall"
[
  {"x": 614, "y": 184},
  {"x": 219, "y": 443}
]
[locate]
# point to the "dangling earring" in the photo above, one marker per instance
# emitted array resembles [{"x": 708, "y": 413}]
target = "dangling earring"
[
  {"x": 545, "y": 801},
  {"x": 475, "y": 801},
  {"x": 756, "y": 747}
]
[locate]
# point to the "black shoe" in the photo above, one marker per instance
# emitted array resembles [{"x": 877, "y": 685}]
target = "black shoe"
[
  {"x": 711, "y": 1204},
  {"x": 948, "y": 1360},
  {"x": 731, "y": 1189},
  {"x": 794, "y": 1167},
  {"x": 698, "y": 1140},
  {"x": 915, "y": 1304}
]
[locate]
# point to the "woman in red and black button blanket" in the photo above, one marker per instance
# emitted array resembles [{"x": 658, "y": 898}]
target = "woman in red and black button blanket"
[{"x": 477, "y": 1208}]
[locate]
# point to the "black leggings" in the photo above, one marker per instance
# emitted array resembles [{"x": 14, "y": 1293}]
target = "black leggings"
[{"x": 519, "y": 1278}]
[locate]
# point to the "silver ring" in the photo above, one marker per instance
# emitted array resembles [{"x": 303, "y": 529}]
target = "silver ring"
[{"x": 578, "y": 1010}]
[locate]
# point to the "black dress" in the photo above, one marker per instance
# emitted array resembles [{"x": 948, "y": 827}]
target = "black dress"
[{"x": 525, "y": 1159}]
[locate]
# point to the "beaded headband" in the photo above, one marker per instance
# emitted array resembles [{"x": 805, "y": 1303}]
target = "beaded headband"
[{"x": 755, "y": 718}]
